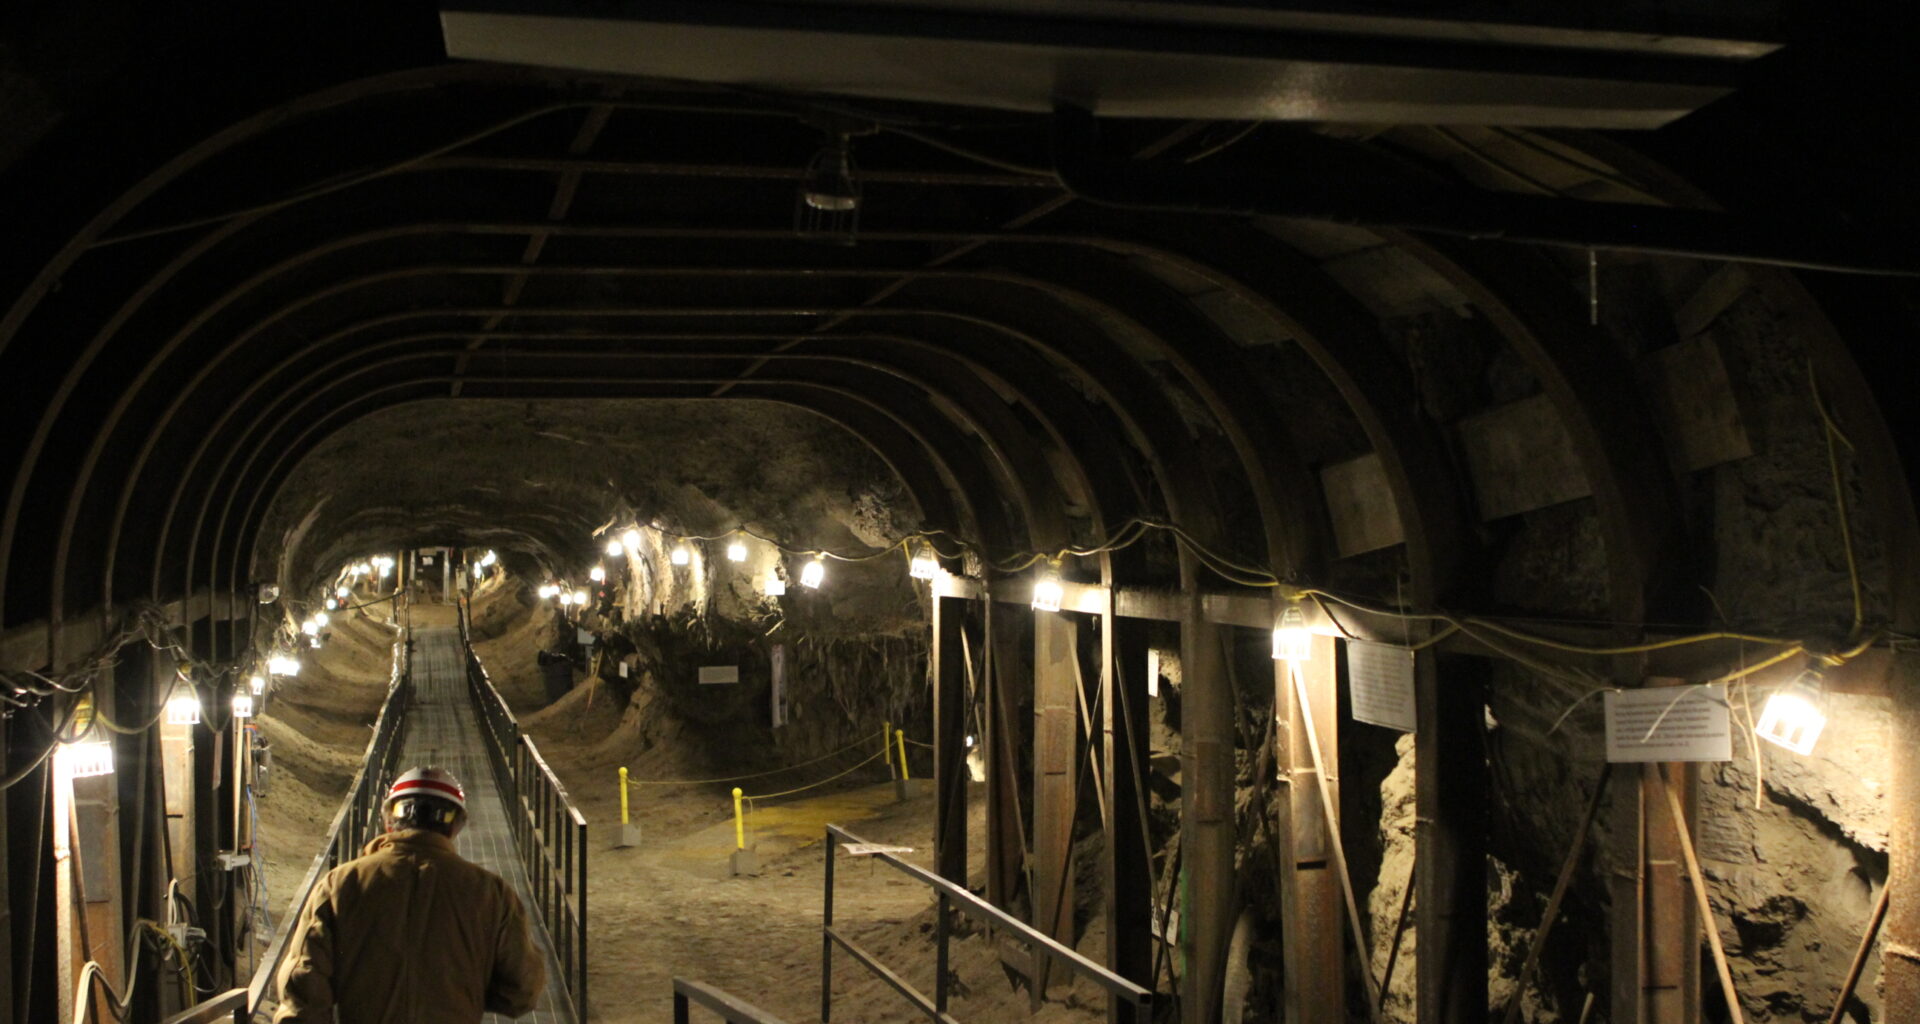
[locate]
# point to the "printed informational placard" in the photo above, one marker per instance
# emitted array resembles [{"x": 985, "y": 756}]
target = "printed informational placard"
[
  {"x": 624, "y": 668},
  {"x": 1381, "y": 680},
  {"x": 1669, "y": 723},
  {"x": 777, "y": 664},
  {"x": 719, "y": 674}
]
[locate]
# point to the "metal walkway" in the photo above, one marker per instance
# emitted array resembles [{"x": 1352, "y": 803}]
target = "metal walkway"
[{"x": 442, "y": 729}]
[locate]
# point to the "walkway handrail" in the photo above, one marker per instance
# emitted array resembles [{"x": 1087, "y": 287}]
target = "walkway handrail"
[
  {"x": 731, "y": 1009},
  {"x": 358, "y": 819},
  {"x": 549, "y": 832},
  {"x": 956, "y": 897}
]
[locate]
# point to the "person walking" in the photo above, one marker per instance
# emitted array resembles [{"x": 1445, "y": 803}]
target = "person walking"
[{"x": 410, "y": 932}]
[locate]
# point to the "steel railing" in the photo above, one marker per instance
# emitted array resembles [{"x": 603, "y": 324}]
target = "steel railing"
[
  {"x": 731, "y": 1009},
  {"x": 549, "y": 832},
  {"x": 953, "y": 897},
  {"x": 354, "y": 825}
]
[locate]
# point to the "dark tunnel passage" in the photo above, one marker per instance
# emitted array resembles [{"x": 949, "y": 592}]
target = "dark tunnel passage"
[{"x": 1296, "y": 512}]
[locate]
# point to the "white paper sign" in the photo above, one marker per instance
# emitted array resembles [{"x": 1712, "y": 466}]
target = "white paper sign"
[
  {"x": 719, "y": 673},
  {"x": 1380, "y": 677},
  {"x": 623, "y": 668},
  {"x": 1153, "y": 672},
  {"x": 1669, "y": 723},
  {"x": 777, "y": 663}
]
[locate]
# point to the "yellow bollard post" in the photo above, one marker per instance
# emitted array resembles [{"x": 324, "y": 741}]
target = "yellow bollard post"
[
  {"x": 901, "y": 735},
  {"x": 629, "y": 832},
  {"x": 743, "y": 861}
]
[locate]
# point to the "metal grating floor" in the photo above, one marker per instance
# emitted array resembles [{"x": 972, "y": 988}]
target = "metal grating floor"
[{"x": 443, "y": 729}]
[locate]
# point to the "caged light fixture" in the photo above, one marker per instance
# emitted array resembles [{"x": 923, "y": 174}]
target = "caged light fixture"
[
  {"x": 1291, "y": 639},
  {"x": 615, "y": 549},
  {"x": 258, "y": 684},
  {"x": 283, "y": 665},
  {"x": 813, "y": 574},
  {"x": 775, "y": 586},
  {"x": 184, "y": 709},
  {"x": 597, "y": 574},
  {"x": 924, "y": 565},
  {"x": 826, "y": 206},
  {"x": 630, "y": 540},
  {"x": 682, "y": 555},
  {"x": 736, "y": 550},
  {"x": 1792, "y": 716},
  {"x": 83, "y": 760},
  {"x": 242, "y": 705},
  {"x": 1047, "y": 590}
]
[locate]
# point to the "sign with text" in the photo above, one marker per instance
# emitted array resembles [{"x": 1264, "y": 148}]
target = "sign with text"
[
  {"x": 719, "y": 674},
  {"x": 1380, "y": 678},
  {"x": 1669, "y": 723}
]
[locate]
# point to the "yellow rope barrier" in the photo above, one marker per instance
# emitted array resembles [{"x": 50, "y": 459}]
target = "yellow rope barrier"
[{"x": 743, "y": 778}]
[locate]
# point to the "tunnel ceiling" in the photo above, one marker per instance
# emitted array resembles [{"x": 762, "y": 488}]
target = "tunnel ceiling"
[
  {"x": 532, "y": 479},
  {"x": 223, "y": 274}
]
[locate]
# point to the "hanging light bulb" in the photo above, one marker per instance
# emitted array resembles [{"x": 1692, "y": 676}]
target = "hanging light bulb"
[
  {"x": 1792, "y": 716},
  {"x": 310, "y": 628},
  {"x": 332, "y": 604},
  {"x": 615, "y": 549},
  {"x": 597, "y": 574},
  {"x": 257, "y": 684},
  {"x": 83, "y": 760},
  {"x": 1047, "y": 590},
  {"x": 322, "y": 618},
  {"x": 343, "y": 592},
  {"x": 827, "y": 203},
  {"x": 283, "y": 665},
  {"x": 924, "y": 565},
  {"x": 479, "y": 571},
  {"x": 183, "y": 709},
  {"x": 566, "y": 599},
  {"x": 630, "y": 539},
  {"x": 813, "y": 574},
  {"x": 580, "y": 598},
  {"x": 775, "y": 586},
  {"x": 1291, "y": 640},
  {"x": 737, "y": 550},
  {"x": 682, "y": 555},
  {"x": 489, "y": 558},
  {"x": 242, "y": 705}
]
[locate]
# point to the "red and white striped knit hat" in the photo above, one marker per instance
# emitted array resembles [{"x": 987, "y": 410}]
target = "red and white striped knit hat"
[{"x": 434, "y": 782}]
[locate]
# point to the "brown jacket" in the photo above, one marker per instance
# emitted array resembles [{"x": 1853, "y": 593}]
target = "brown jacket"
[{"x": 409, "y": 933}]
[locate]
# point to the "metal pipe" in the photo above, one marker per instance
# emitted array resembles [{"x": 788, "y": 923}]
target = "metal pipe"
[{"x": 1328, "y": 184}]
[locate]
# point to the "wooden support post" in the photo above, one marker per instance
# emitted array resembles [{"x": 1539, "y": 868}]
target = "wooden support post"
[
  {"x": 1056, "y": 763},
  {"x": 27, "y": 862},
  {"x": 1900, "y": 956},
  {"x": 1206, "y": 816},
  {"x": 1123, "y": 677},
  {"x": 1656, "y": 937},
  {"x": 950, "y": 739},
  {"x": 1450, "y": 840},
  {"x": 1312, "y": 927},
  {"x": 1004, "y": 738}
]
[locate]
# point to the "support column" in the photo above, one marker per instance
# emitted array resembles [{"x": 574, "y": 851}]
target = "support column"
[
  {"x": 949, "y": 739},
  {"x": 1123, "y": 677},
  {"x": 1656, "y": 930},
  {"x": 1450, "y": 840},
  {"x": 1312, "y": 925},
  {"x": 1004, "y": 739},
  {"x": 1056, "y": 749},
  {"x": 6, "y": 886},
  {"x": 1900, "y": 959},
  {"x": 1206, "y": 815}
]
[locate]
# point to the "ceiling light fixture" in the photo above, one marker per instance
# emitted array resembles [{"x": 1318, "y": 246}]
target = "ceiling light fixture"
[
  {"x": 924, "y": 565},
  {"x": 1047, "y": 591},
  {"x": 813, "y": 574},
  {"x": 1291, "y": 639},
  {"x": 826, "y": 207},
  {"x": 736, "y": 550},
  {"x": 183, "y": 709},
  {"x": 682, "y": 555},
  {"x": 1792, "y": 716}
]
